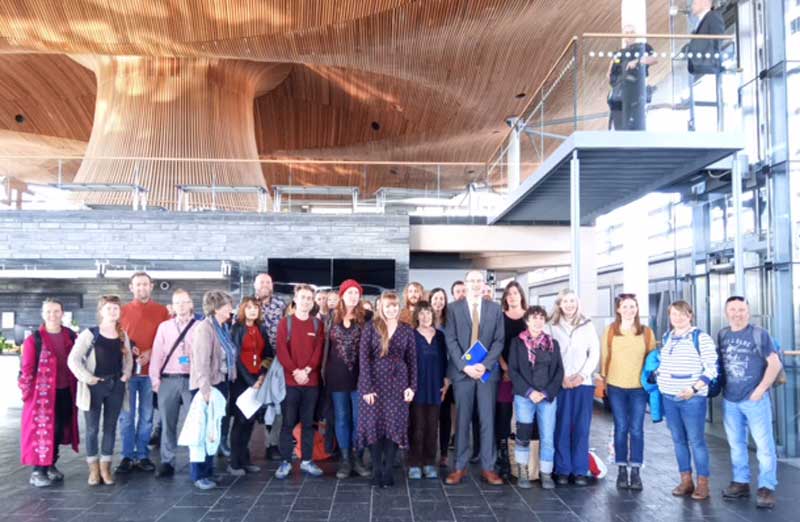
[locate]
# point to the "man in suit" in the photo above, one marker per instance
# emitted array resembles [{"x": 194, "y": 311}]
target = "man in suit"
[
  {"x": 703, "y": 59},
  {"x": 469, "y": 320}
]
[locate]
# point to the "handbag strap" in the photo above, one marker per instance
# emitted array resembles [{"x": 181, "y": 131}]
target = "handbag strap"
[{"x": 174, "y": 346}]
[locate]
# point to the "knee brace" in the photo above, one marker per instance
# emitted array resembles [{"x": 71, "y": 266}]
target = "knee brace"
[{"x": 524, "y": 433}]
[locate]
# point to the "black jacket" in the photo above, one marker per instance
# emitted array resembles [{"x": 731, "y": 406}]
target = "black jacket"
[
  {"x": 545, "y": 376},
  {"x": 711, "y": 24},
  {"x": 237, "y": 334}
]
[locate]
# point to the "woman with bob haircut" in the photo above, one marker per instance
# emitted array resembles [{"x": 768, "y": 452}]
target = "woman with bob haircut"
[
  {"x": 536, "y": 373},
  {"x": 213, "y": 365},
  {"x": 250, "y": 336}
]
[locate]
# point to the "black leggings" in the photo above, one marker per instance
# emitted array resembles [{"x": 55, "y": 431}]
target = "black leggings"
[
  {"x": 502, "y": 420},
  {"x": 445, "y": 422},
  {"x": 242, "y": 428},
  {"x": 383, "y": 452}
]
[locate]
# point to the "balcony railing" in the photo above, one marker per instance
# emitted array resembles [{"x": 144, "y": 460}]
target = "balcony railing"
[
  {"x": 625, "y": 82},
  {"x": 234, "y": 185}
]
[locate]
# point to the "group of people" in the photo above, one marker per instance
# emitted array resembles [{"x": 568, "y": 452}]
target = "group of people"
[{"x": 393, "y": 372}]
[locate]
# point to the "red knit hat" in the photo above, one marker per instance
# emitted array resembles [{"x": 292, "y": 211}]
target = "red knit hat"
[{"x": 350, "y": 283}]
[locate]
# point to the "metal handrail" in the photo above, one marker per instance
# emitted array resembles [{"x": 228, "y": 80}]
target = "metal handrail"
[
  {"x": 575, "y": 40},
  {"x": 533, "y": 97}
]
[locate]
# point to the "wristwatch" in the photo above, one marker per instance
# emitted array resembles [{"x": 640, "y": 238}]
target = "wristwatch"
[{"x": 695, "y": 390}]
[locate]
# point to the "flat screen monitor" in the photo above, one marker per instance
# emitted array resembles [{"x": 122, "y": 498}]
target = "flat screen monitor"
[
  {"x": 301, "y": 270},
  {"x": 377, "y": 272}
]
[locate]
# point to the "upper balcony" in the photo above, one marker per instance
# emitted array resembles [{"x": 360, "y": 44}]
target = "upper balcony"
[{"x": 641, "y": 113}]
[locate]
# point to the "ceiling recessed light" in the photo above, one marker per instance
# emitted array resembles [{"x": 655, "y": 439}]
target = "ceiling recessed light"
[
  {"x": 520, "y": 95},
  {"x": 375, "y": 126}
]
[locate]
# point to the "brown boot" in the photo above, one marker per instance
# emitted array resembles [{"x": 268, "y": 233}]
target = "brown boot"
[
  {"x": 105, "y": 472},
  {"x": 686, "y": 487},
  {"x": 701, "y": 491},
  {"x": 94, "y": 473}
]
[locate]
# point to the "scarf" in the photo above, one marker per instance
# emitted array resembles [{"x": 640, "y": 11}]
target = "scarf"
[
  {"x": 542, "y": 342},
  {"x": 346, "y": 341},
  {"x": 228, "y": 347}
]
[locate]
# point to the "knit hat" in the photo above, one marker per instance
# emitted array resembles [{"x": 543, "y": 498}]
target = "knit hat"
[{"x": 350, "y": 283}]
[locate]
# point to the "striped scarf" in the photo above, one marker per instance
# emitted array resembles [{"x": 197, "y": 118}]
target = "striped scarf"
[{"x": 228, "y": 347}]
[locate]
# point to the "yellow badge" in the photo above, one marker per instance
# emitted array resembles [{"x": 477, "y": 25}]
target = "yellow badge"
[{"x": 468, "y": 357}]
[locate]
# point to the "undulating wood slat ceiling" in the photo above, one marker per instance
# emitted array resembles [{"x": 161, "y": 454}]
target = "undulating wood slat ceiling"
[
  {"x": 149, "y": 107},
  {"x": 439, "y": 77}
]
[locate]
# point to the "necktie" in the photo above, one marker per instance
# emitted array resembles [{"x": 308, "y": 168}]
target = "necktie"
[{"x": 475, "y": 323}]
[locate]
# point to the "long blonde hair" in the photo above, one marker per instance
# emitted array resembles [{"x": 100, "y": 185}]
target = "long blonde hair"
[
  {"x": 379, "y": 321},
  {"x": 558, "y": 315}
]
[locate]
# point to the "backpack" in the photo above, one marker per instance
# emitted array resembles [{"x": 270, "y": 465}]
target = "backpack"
[
  {"x": 757, "y": 336},
  {"x": 37, "y": 345},
  {"x": 715, "y": 386},
  {"x": 289, "y": 327}
]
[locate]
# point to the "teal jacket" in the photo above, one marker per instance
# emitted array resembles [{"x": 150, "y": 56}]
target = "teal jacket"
[{"x": 651, "y": 364}]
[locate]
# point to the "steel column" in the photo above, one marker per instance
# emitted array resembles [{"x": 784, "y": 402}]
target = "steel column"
[{"x": 575, "y": 221}]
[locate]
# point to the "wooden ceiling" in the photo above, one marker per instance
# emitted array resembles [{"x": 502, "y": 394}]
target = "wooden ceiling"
[{"x": 387, "y": 80}]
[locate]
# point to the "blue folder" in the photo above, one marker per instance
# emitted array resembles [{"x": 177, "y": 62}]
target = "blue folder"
[{"x": 475, "y": 355}]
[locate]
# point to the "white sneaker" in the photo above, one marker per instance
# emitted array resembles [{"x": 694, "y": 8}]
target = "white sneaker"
[
  {"x": 40, "y": 480},
  {"x": 283, "y": 470},
  {"x": 236, "y": 472},
  {"x": 205, "y": 484},
  {"x": 308, "y": 466}
]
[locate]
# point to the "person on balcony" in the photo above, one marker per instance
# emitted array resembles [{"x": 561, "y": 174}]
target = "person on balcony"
[{"x": 627, "y": 77}]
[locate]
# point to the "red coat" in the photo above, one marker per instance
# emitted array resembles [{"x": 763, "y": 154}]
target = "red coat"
[{"x": 39, "y": 399}]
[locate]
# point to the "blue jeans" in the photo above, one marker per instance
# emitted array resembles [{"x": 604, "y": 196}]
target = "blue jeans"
[
  {"x": 345, "y": 414},
  {"x": 136, "y": 437},
  {"x": 545, "y": 413},
  {"x": 573, "y": 422},
  {"x": 687, "y": 422},
  {"x": 755, "y": 417},
  {"x": 628, "y": 408}
]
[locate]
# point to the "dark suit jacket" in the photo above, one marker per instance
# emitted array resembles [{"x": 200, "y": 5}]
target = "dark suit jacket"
[
  {"x": 457, "y": 332},
  {"x": 711, "y": 24}
]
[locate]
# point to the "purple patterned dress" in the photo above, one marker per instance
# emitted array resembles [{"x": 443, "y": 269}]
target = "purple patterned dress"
[{"x": 388, "y": 377}]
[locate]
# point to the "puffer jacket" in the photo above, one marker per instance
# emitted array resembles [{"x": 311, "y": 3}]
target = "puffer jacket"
[{"x": 651, "y": 364}]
